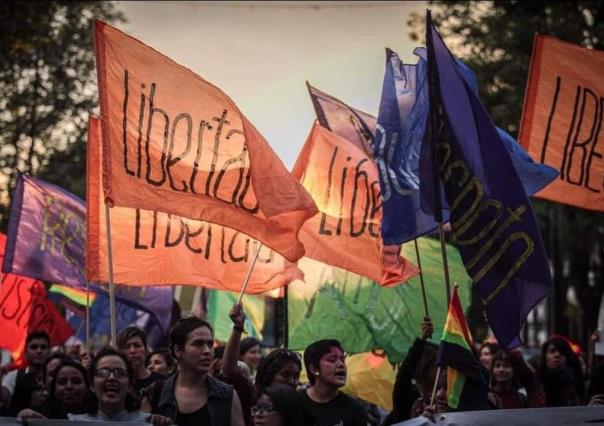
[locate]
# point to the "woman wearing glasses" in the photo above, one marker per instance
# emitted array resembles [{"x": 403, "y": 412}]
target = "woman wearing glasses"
[
  {"x": 281, "y": 405},
  {"x": 113, "y": 386}
]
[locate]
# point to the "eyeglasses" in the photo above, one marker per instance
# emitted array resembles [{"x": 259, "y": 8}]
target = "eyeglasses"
[
  {"x": 261, "y": 409},
  {"x": 105, "y": 372},
  {"x": 35, "y": 347}
]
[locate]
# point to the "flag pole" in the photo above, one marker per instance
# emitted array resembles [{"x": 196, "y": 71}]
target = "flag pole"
[
  {"x": 87, "y": 318},
  {"x": 435, "y": 385},
  {"x": 249, "y": 274},
  {"x": 421, "y": 276},
  {"x": 433, "y": 132},
  {"x": 112, "y": 315}
]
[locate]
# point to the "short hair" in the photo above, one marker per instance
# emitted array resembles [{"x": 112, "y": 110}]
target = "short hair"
[
  {"x": 109, "y": 351},
  {"x": 133, "y": 402},
  {"x": 37, "y": 335},
  {"x": 165, "y": 354},
  {"x": 315, "y": 351},
  {"x": 181, "y": 330},
  {"x": 128, "y": 333},
  {"x": 270, "y": 366},
  {"x": 247, "y": 344},
  {"x": 493, "y": 347}
]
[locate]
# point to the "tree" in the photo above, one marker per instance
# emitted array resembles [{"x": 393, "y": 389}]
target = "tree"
[
  {"x": 47, "y": 90},
  {"x": 495, "y": 39}
]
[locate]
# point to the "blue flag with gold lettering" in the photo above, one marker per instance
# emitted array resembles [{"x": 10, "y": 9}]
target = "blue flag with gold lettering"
[
  {"x": 491, "y": 218},
  {"x": 400, "y": 129}
]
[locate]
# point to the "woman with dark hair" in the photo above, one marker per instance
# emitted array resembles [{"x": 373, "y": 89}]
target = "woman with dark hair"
[
  {"x": 508, "y": 371},
  {"x": 281, "y": 366},
  {"x": 69, "y": 392},
  {"x": 281, "y": 405},
  {"x": 161, "y": 361},
  {"x": 113, "y": 387},
  {"x": 560, "y": 373},
  {"x": 486, "y": 353},
  {"x": 249, "y": 352}
]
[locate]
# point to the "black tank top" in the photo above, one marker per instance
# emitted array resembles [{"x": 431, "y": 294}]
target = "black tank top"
[{"x": 197, "y": 418}]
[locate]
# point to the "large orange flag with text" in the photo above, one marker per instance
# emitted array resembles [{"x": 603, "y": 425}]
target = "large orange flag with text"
[
  {"x": 345, "y": 185},
  {"x": 158, "y": 248},
  {"x": 173, "y": 142},
  {"x": 562, "y": 120},
  {"x": 24, "y": 308}
]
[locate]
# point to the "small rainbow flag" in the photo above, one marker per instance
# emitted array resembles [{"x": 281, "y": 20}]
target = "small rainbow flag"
[
  {"x": 466, "y": 384},
  {"x": 75, "y": 295}
]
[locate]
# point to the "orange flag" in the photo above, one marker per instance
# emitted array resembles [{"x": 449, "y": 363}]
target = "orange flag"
[
  {"x": 562, "y": 120},
  {"x": 344, "y": 183},
  {"x": 175, "y": 143},
  {"x": 158, "y": 248},
  {"x": 24, "y": 309}
]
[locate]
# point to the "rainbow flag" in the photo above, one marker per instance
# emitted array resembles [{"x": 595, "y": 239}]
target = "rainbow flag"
[
  {"x": 75, "y": 295},
  {"x": 466, "y": 384}
]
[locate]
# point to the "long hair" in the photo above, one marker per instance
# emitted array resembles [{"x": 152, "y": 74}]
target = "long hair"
[
  {"x": 287, "y": 402},
  {"x": 556, "y": 381},
  {"x": 54, "y": 407}
]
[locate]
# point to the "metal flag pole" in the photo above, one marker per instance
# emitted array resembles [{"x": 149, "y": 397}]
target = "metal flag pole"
[
  {"x": 421, "y": 276},
  {"x": 433, "y": 132},
  {"x": 112, "y": 314},
  {"x": 249, "y": 274}
]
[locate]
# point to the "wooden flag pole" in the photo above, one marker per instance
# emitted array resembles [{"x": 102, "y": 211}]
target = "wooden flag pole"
[
  {"x": 87, "y": 318},
  {"x": 112, "y": 314},
  {"x": 435, "y": 385},
  {"x": 433, "y": 133},
  {"x": 249, "y": 274},
  {"x": 421, "y": 276}
]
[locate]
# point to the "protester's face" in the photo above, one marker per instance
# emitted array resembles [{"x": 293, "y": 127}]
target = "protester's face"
[
  {"x": 198, "y": 351},
  {"x": 442, "y": 405},
  {"x": 553, "y": 357},
  {"x": 502, "y": 371},
  {"x": 50, "y": 369},
  {"x": 111, "y": 382},
  {"x": 264, "y": 413},
  {"x": 288, "y": 374},
  {"x": 157, "y": 364},
  {"x": 70, "y": 387},
  {"x": 486, "y": 357},
  {"x": 135, "y": 351},
  {"x": 252, "y": 357},
  {"x": 37, "y": 351},
  {"x": 332, "y": 368}
]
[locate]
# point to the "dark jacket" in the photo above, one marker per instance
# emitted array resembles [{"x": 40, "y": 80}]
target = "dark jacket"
[{"x": 220, "y": 398}]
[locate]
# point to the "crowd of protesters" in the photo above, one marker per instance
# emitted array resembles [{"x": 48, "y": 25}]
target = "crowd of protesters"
[{"x": 195, "y": 383}]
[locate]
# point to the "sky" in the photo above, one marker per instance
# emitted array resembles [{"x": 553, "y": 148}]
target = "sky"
[{"x": 262, "y": 53}]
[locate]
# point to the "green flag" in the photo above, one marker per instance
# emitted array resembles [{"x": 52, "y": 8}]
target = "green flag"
[
  {"x": 219, "y": 305},
  {"x": 333, "y": 303}
]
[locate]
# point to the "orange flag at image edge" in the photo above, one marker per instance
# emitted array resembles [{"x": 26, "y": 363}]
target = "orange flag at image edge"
[
  {"x": 175, "y": 143},
  {"x": 562, "y": 120},
  {"x": 24, "y": 309}
]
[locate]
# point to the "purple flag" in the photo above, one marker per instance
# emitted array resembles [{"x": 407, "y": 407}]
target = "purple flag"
[
  {"x": 491, "y": 218},
  {"x": 46, "y": 241}
]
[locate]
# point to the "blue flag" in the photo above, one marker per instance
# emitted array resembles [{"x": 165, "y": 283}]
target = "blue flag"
[
  {"x": 490, "y": 215},
  {"x": 401, "y": 127}
]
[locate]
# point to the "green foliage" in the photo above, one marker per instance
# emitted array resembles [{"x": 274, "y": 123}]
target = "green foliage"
[
  {"x": 495, "y": 39},
  {"x": 47, "y": 90}
]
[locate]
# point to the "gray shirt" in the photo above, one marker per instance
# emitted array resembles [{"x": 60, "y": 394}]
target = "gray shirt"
[{"x": 122, "y": 416}]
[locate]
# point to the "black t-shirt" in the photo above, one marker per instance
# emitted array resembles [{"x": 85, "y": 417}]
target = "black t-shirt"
[
  {"x": 148, "y": 381},
  {"x": 197, "y": 418},
  {"x": 340, "y": 411}
]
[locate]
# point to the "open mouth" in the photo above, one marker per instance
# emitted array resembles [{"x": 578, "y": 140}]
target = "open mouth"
[
  {"x": 341, "y": 375},
  {"x": 111, "y": 389}
]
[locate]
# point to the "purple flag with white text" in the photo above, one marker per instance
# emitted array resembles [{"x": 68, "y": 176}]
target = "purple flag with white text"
[{"x": 46, "y": 241}]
